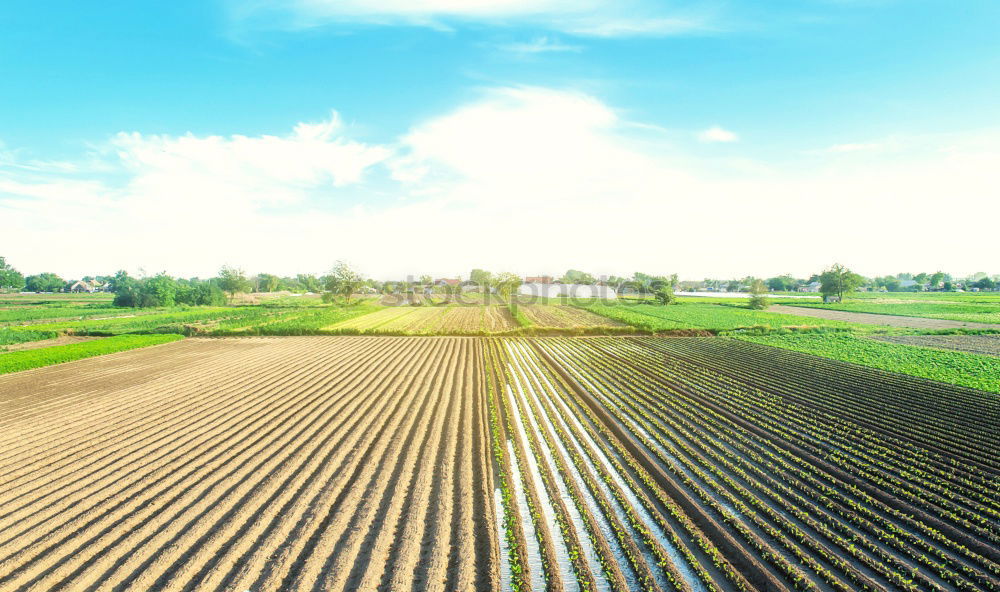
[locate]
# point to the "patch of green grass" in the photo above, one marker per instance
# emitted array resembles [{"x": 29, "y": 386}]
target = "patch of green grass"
[
  {"x": 12, "y": 337},
  {"x": 142, "y": 323},
  {"x": 308, "y": 321},
  {"x": 710, "y": 317},
  {"x": 972, "y": 312},
  {"x": 36, "y": 358},
  {"x": 985, "y": 297},
  {"x": 21, "y": 314},
  {"x": 964, "y": 369},
  {"x": 520, "y": 318}
]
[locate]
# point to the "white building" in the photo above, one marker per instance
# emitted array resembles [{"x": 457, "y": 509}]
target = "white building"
[{"x": 567, "y": 290}]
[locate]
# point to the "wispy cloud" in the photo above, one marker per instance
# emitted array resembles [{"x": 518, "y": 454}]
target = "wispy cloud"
[
  {"x": 597, "y": 18},
  {"x": 541, "y": 44},
  {"x": 717, "y": 134}
]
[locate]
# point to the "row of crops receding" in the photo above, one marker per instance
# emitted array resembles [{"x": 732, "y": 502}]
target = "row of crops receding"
[
  {"x": 555, "y": 464},
  {"x": 715, "y": 464}
]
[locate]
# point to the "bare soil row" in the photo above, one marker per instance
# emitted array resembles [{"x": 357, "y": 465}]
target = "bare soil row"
[{"x": 261, "y": 464}]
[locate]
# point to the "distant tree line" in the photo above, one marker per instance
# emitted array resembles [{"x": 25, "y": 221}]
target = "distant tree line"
[{"x": 343, "y": 282}]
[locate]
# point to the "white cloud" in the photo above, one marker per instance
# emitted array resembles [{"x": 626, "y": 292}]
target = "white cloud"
[
  {"x": 526, "y": 179},
  {"x": 541, "y": 44},
  {"x": 261, "y": 169},
  {"x": 603, "y": 18},
  {"x": 717, "y": 134}
]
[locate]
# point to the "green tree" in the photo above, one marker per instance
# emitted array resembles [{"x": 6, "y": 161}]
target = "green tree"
[
  {"x": 233, "y": 280},
  {"x": 267, "y": 282},
  {"x": 575, "y": 276},
  {"x": 936, "y": 279},
  {"x": 159, "y": 290},
  {"x": 664, "y": 294},
  {"x": 44, "y": 282},
  {"x": 985, "y": 284},
  {"x": 506, "y": 284},
  {"x": 10, "y": 278},
  {"x": 309, "y": 282},
  {"x": 782, "y": 283},
  {"x": 481, "y": 278},
  {"x": 758, "y": 295},
  {"x": 343, "y": 281},
  {"x": 837, "y": 281}
]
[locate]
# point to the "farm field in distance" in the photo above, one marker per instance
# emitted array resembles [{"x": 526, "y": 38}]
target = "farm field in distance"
[
  {"x": 291, "y": 444},
  {"x": 983, "y": 309},
  {"x": 430, "y": 320}
]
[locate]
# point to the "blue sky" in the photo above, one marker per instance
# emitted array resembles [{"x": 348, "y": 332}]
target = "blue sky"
[{"x": 540, "y": 135}]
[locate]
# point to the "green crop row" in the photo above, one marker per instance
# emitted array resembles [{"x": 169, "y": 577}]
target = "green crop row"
[
  {"x": 970, "y": 312},
  {"x": 964, "y": 369},
  {"x": 708, "y": 317},
  {"x": 12, "y": 337},
  {"x": 36, "y": 358}
]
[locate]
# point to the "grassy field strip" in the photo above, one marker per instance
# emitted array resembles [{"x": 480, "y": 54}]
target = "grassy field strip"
[
  {"x": 300, "y": 463},
  {"x": 140, "y": 322},
  {"x": 973, "y": 312},
  {"x": 960, "y": 368},
  {"x": 13, "y": 337},
  {"x": 25, "y": 360},
  {"x": 709, "y": 317}
]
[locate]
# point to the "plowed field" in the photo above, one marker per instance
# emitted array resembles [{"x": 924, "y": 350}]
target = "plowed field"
[
  {"x": 253, "y": 464},
  {"x": 530, "y": 464},
  {"x": 565, "y": 317},
  {"x": 422, "y": 320}
]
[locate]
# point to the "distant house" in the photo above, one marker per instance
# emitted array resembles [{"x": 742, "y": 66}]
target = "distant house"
[
  {"x": 567, "y": 290},
  {"x": 82, "y": 286},
  {"x": 538, "y": 279},
  {"x": 447, "y": 282},
  {"x": 810, "y": 287}
]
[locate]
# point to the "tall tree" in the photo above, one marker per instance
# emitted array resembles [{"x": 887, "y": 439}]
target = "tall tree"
[
  {"x": 837, "y": 281},
  {"x": 267, "y": 282},
  {"x": 575, "y": 276},
  {"x": 758, "y": 295},
  {"x": 343, "y": 281},
  {"x": 506, "y": 284},
  {"x": 44, "y": 282},
  {"x": 233, "y": 280},
  {"x": 10, "y": 278},
  {"x": 782, "y": 283},
  {"x": 481, "y": 278}
]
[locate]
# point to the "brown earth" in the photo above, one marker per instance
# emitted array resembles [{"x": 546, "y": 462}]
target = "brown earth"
[
  {"x": 877, "y": 319},
  {"x": 334, "y": 463},
  {"x": 545, "y": 315},
  {"x": 418, "y": 320}
]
